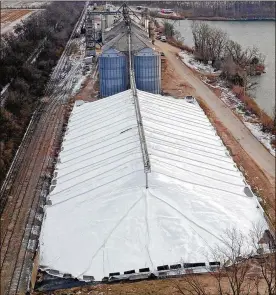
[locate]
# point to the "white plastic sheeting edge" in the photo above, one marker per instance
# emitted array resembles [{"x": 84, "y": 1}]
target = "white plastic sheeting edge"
[{"x": 103, "y": 219}]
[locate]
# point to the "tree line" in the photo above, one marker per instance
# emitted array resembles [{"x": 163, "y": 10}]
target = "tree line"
[
  {"x": 28, "y": 78},
  {"x": 213, "y": 45},
  {"x": 226, "y": 9},
  {"x": 237, "y": 63}
]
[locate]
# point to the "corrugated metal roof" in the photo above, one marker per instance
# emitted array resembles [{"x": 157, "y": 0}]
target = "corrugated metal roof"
[
  {"x": 102, "y": 218},
  {"x": 114, "y": 31},
  {"x": 121, "y": 43},
  {"x": 118, "y": 38},
  {"x": 147, "y": 52},
  {"x": 112, "y": 52}
]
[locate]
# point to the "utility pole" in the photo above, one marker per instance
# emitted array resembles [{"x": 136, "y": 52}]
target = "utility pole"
[
  {"x": 146, "y": 21},
  {"x": 103, "y": 25}
]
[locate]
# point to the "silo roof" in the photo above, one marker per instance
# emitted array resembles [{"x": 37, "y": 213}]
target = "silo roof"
[
  {"x": 120, "y": 27},
  {"x": 139, "y": 39},
  {"x": 121, "y": 43},
  {"x": 114, "y": 31},
  {"x": 112, "y": 52},
  {"x": 147, "y": 51},
  {"x": 103, "y": 219}
]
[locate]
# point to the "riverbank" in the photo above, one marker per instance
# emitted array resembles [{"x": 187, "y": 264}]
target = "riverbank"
[
  {"x": 248, "y": 34},
  {"x": 243, "y": 106},
  {"x": 216, "y": 18},
  {"x": 248, "y": 141},
  {"x": 179, "y": 45},
  {"x": 260, "y": 124},
  {"x": 252, "y": 158},
  {"x": 207, "y": 18}
]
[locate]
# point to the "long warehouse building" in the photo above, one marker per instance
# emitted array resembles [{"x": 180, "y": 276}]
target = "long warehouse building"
[{"x": 106, "y": 215}]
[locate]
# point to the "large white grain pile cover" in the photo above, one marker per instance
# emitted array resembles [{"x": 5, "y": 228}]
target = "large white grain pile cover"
[{"x": 103, "y": 219}]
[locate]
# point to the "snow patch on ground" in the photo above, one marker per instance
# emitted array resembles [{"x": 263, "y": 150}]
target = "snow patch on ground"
[
  {"x": 32, "y": 245},
  {"x": 78, "y": 84},
  {"x": 190, "y": 62},
  {"x": 74, "y": 71},
  {"x": 237, "y": 106},
  {"x": 231, "y": 100},
  {"x": 264, "y": 138},
  {"x": 35, "y": 230}
]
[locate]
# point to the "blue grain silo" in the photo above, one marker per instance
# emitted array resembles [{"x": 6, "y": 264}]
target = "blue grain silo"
[
  {"x": 147, "y": 67},
  {"x": 112, "y": 70}
]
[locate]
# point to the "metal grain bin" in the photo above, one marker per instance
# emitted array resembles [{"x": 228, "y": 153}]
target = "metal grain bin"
[
  {"x": 112, "y": 70},
  {"x": 147, "y": 67}
]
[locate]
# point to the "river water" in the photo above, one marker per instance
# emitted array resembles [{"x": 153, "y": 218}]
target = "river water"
[{"x": 248, "y": 34}]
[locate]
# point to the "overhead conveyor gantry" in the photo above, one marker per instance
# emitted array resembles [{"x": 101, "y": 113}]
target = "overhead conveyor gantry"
[{"x": 144, "y": 149}]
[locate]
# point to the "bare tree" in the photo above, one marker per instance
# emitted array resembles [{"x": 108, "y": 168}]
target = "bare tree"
[
  {"x": 264, "y": 244},
  {"x": 236, "y": 275},
  {"x": 248, "y": 83},
  {"x": 245, "y": 58},
  {"x": 178, "y": 37},
  {"x": 228, "y": 67},
  {"x": 201, "y": 33},
  {"x": 240, "y": 65},
  {"x": 191, "y": 284},
  {"x": 233, "y": 255},
  {"x": 169, "y": 29},
  {"x": 218, "y": 40},
  {"x": 209, "y": 41},
  {"x": 237, "y": 64}
]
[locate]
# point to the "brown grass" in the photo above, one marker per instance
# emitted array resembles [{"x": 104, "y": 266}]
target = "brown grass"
[
  {"x": 267, "y": 122},
  {"x": 11, "y": 15},
  {"x": 273, "y": 143},
  {"x": 172, "y": 84},
  {"x": 179, "y": 45}
]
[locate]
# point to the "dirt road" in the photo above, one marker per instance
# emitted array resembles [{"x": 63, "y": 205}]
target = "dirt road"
[{"x": 240, "y": 132}]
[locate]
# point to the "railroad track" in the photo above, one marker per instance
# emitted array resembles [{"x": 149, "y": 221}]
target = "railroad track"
[
  {"x": 49, "y": 89},
  {"x": 21, "y": 217},
  {"x": 25, "y": 208}
]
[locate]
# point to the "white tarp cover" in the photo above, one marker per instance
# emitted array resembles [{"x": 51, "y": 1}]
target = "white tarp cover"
[{"x": 103, "y": 219}]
